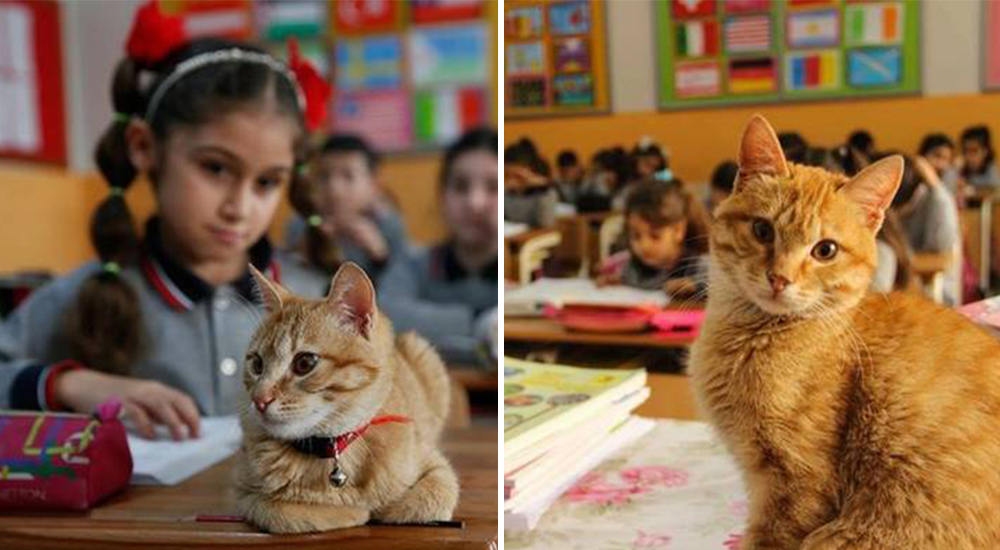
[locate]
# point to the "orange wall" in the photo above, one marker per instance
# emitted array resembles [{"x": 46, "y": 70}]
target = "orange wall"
[
  {"x": 45, "y": 212},
  {"x": 699, "y": 139}
]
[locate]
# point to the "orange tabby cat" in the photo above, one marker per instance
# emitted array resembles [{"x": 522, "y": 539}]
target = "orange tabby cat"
[
  {"x": 861, "y": 421},
  {"x": 319, "y": 369}
]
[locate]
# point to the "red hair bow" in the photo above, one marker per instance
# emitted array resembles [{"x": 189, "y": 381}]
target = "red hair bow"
[
  {"x": 154, "y": 34},
  {"x": 314, "y": 87}
]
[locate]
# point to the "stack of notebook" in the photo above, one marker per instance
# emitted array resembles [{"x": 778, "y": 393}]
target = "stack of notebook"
[{"x": 559, "y": 423}]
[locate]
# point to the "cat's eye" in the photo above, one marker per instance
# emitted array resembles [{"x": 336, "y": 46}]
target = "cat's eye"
[
  {"x": 763, "y": 231},
  {"x": 255, "y": 364},
  {"x": 825, "y": 250},
  {"x": 304, "y": 363}
]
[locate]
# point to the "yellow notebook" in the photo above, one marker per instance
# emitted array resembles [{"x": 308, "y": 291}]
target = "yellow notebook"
[{"x": 541, "y": 400}]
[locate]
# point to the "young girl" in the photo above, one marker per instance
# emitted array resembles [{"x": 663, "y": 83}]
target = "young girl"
[
  {"x": 448, "y": 293},
  {"x": 929, "y": 219},
  {"x": 667, "y": 232},
  {"x": 979, "y": 169},
  {"x": 364, "y": 227},
  {"x": 162, "y": 321},
  {"x": 939, "y": 151},
  {"x": 649, "y": 158}
]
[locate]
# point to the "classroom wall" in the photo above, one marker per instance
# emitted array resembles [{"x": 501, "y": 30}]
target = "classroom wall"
[{"x": 700, "y": 138}]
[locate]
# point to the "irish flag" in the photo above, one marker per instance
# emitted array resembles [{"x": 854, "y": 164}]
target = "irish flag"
[
  {"x": 873, "y": 24},
  {"x": 698, "y": 39}
]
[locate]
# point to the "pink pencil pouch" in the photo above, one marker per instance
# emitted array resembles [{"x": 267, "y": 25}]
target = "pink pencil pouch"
[{"x": 62, "y": 461}]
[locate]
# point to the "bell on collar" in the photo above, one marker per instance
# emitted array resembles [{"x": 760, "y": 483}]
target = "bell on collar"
[{"x": 337, "y": 477}]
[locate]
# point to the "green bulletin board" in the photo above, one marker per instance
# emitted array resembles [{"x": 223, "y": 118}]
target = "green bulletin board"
[{"x": 728, "y": 52}]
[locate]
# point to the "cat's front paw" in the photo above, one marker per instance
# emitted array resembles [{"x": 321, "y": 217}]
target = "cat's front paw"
[
  {"x": 433, "y": 497},
  {"x": 293, "y": 517}
]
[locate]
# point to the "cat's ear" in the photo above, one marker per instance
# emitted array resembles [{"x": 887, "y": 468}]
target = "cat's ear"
[
  {"x": 353, "y": 296},
  {"x": 273, "y": 295},
  {"x": 874, "y": 188},
  {"x": 760, "y": 152}
]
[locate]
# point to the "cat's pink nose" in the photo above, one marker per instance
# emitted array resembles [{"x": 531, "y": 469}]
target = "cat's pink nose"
[
  {"x": 778, "y": 283},
  {"x": 262, "y": 402}
]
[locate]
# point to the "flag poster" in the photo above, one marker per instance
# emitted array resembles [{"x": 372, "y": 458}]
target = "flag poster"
[{"x": 728, "y": 52}]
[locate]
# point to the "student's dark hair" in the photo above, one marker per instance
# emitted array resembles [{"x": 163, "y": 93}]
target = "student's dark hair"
[
  {"x": 103, "y": 327},
  {"x": 567, "y": 158},
  {"x": 651, "y": 150},
  {"x": 352, "y": 143},
  {"x": 661, "y": 203},
  {"x": 618, "y": 162},
  {"x": 724, "y": 176},
  {"x": 908, "y": 183},
  {"x": 893, "y": 235},
  {"x": 933, "y": 141},
  {"x": 980, "y": 134},
  {"x": 477, "y": 139},
  {"x": 862, "y": 140},
  {"x": 794, "y": 146}
]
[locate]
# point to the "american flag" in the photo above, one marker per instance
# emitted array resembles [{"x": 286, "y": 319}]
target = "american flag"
[{"x": 748, "y": 34}]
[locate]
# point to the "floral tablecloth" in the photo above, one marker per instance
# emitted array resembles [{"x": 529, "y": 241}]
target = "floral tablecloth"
[{"x": 676, "y": 489}]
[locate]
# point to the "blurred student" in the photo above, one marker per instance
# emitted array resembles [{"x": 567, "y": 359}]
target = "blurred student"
[
  {"x": 929, "y": 219},
  {"x": 667, "y": 231},
  {"x": 529, "y": 195},
  {"x": 364, "y": 227},
  {"x": 979, "y": 167},
  {"x": 570, "y": 176},
  {"x": 448, "y": 292},
  {"x": 649, "y": 159},
  {"x": 939, "y": 150},
  {"x": 723, "y": 178}
]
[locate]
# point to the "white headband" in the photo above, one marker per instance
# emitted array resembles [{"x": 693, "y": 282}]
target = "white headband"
[{"x": 220, "y": 56}]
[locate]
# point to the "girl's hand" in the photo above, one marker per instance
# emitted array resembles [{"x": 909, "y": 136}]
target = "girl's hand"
[
  {"x": 926, "y": 171},
  {"x": 146, "y": 402},
  {"x": 609, "y": 278},
  {"x": 680, "y": 287},
  {"x": 365, "y": 234}
]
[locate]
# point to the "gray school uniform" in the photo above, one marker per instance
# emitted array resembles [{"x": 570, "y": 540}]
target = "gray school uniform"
[
  {"x": 989, "y": 178},
  {"x": 638, "y": 275},
  {"x": 932, "y": 226},
  {"x": 428, "y": 292},
  {"x": 389, "y": 223},
  {"x": 195, "y": 335},
  {"x": 535, "y": 207}
]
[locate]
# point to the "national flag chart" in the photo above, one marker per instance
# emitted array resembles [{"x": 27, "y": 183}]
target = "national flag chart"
[{"x": 768, "y": 49}]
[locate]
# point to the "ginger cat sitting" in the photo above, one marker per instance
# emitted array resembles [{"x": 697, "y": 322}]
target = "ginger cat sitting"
[
  {"x": 345, "y": 417},
  {"x": 861, "y": 421}
]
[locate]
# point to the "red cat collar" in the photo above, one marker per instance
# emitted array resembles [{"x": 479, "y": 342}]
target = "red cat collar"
[{"x": 332, "y": 447}]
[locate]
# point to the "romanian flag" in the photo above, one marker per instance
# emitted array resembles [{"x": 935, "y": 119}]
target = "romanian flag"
[
  {"x": 749, "y": 76},
  {"x": 813, "y": 71},
  {"x": 873, "y": 24},
  {"x": 698, "y": 39}
]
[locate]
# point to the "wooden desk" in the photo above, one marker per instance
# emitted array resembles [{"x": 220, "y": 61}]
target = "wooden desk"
[
  {"x": 547, "y": 331},
  {"x": 163, "y": 516},
  {"x": 671, "y": 397}
]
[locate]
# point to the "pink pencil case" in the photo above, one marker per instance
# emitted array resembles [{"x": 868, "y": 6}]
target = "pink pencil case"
[
  {"x": 678, "y": 322},
  {"x": 62, "y": 461}
]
